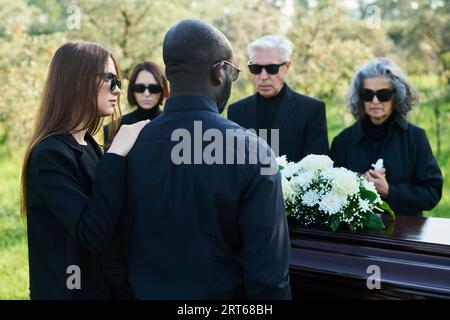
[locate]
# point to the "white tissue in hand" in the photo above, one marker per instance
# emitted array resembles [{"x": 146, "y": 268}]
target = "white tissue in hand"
[{"x": 378, "y": 165}]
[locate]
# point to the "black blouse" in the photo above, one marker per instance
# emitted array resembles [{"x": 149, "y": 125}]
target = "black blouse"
[{"x": 376, "y": 134}]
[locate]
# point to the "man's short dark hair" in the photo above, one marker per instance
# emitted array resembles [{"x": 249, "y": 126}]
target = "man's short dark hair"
[{"x": 191, "y": 47}]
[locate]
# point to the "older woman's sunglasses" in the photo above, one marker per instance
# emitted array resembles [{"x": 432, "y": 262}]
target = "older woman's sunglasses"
[
  {"x": 270, "y": 68},
  {"x": 140, "y": 88},
  {"x": 383, "y": 95},
  {"x": 115, "y": 83}
]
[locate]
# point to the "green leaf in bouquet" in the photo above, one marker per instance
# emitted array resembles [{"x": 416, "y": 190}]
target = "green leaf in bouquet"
[
  {"x": 287, "y": 212},
  {"x": 373, "y": 222},
  {"x": 385, "y": 206},
  {"x": 367, "y": 194},
  {"x": 334, "y": 223}
]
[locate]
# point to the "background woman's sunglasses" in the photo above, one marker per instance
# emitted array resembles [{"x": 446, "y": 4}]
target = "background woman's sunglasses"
[
  {"x": 270, "y": 68},
  {"x": 383, "y": 95},
  {"x": 152, "y": 88},
  {"x": 114, "y": 81}
]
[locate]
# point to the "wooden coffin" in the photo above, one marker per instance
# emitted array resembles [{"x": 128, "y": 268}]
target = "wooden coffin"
[{"x": 412, "y": 253}]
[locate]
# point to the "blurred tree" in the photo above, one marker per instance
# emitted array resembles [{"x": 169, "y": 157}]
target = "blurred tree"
[
  {"x": 423, "y": 36},
  {"x": 133, "y": 29},
  {"x": 328, "y": 45},
  {"x": 24, "y": 61},
  {"x": 330, "y": 40},
  {"x": 51, "y": 19}
]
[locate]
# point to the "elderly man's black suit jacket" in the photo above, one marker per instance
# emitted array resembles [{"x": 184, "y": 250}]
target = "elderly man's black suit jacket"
[{"x": 300, "y": 119}]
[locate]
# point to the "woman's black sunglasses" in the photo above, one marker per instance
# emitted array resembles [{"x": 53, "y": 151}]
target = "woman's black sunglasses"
[
  {"x": 140, "y": 88},
  {"x": 383, "y": 95},
  {"x": 270, "y": 68},
  {"x": 114, "y": 81}
]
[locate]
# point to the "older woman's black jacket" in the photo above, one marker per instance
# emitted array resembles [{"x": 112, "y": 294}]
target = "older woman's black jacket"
[
  {"x": 414, "y": 177},
  {"x": 72, "y": 210}
]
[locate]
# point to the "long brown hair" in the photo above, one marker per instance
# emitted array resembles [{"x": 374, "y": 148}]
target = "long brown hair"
[{"x": 69, "y": 99}]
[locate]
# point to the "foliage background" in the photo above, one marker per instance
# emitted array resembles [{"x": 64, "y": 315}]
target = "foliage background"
[{"x": 331, "y": 38}]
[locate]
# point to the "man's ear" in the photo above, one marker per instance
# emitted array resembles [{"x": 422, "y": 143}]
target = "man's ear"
[
  {"x": 217, "y": 73},
  {"x": 288, "y": 65}
]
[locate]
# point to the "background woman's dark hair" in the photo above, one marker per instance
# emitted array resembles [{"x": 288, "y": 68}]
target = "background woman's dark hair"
[
  {"x": 159, "y": 77},
  {"x": 70, "y": 97}
]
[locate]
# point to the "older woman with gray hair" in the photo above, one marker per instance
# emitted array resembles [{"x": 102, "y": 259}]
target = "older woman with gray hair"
[{"x": 383, "y": 145}]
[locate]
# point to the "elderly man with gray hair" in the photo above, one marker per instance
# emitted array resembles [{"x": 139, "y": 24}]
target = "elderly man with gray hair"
[{"x": 299, "y": 119}]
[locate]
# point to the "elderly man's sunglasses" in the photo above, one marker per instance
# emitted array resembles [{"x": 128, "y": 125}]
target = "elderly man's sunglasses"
[
  {"x": 383, "y": 95},
  {"x": 115, "y": 83},
  {"x": 140, "y": 88},
  {"x": 270, "y": 68}
]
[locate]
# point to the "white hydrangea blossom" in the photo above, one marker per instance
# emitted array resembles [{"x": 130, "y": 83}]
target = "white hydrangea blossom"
[
  {"x": 310, "y": 198},
  {"x": 345, "y": 182},
  {"x": 303, "y": 179},
  {"x": 332, "y": 203},
  {"x": 282, "y": 161},
  {"x": 288, "y": 190},
  {"x": 291, "y": 169},
  {"x": 316, "y": 162}
]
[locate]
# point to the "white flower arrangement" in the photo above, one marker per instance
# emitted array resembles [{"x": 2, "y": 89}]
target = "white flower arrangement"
[{"x": 316, "y": 193}]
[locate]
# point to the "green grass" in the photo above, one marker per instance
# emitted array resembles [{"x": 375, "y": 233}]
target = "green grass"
[
  {"x": 13, "y": 246},
  {"x": 13, "y": 240}
]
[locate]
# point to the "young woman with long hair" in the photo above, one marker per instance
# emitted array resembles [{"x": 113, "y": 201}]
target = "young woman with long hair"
[{"x": 72, "y": 194}]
